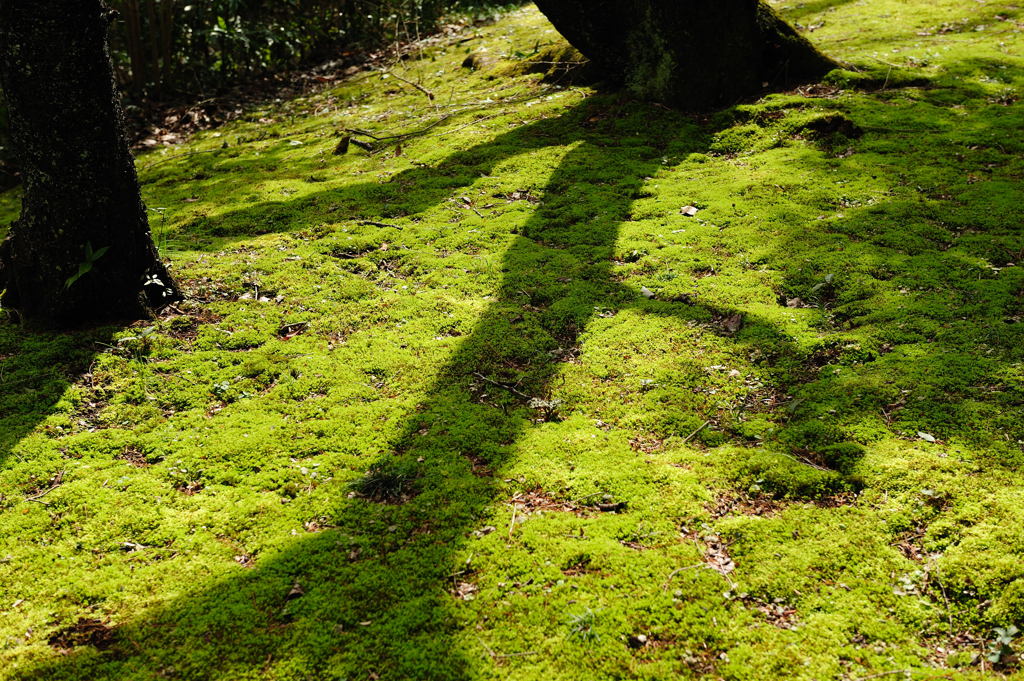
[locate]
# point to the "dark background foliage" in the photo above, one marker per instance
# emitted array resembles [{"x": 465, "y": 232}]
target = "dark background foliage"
[
  {"x": 183, "y": 49},
  {"x": 163, "y": 47}
]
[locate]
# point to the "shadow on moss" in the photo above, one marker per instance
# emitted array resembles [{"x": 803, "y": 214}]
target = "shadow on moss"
[{"x": 369, "y": 595}]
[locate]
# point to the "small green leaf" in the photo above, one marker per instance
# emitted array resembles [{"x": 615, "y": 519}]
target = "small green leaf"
[{"x": 83, "y": 268}]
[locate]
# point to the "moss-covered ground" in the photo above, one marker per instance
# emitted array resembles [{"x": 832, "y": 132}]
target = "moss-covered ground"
[{"x": 488, "y": 404}]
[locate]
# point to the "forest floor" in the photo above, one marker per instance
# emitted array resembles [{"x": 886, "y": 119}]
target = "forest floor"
[{"x": 553, "y": 384}]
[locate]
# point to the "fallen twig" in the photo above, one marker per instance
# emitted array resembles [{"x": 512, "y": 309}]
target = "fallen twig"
[
  {"x": 888, "y": 63},
  {"x": 486, "y": 647},
  {"x": 509, "y": 388},
  {"x": 696, "y": 432},
  {"x": 57, "y": 480},
  {"x": 291, "y": 330},
  {"x": 512, "y": 525},
  {"x": 361, "y": 144},
  {"x": 468, "y": 203},
  {"x": 806, "y": 462},
  {"x": 428, "y": 93},
  {"x": 374, "y": 223},
  {"x": 403, "y": 136},
  {"x": 675, "y": 572}
]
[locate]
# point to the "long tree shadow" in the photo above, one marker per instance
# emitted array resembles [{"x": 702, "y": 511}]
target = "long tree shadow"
[{"x": 370, "y": 595}]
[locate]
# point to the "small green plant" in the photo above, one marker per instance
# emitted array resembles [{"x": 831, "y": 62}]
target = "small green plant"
[
  {"x": 160, "y": 238},
  {"x": 387, "y": 482},
  {"x": 85, "y": 266},
  {"x": 220, "y": 390},
  {"x": 823, "y": 292},
  {"x": 581, "y": 627},
  {"x": 643, "y": 534},
  {"x": 548, "y": 409},
  {"x": 137, "y": 347},
  {"x": 185, "y": 481},
  {"x": 1000, "y": 649}
]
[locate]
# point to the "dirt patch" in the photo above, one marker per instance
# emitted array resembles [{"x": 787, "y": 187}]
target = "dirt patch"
[
  {"x": 481, "y": 469},
  {"x": 205, "y": 290},
  {"x": 703, "y": 663},
  {"x": 519, "y": 195},
  {"x": 537, "y": 501},
  {"x": 909, "y": 544},
  {"x": 716, "y": 555},
  {"x": 714, "y": 551},
  {"x": 85, "y": 632},
  {"x": 969, "y": 647},
  {"x": 190, "y": 488},
  {"x": 464, "y": 591},
  {"x": 832, "y": 124},
  {"x": 646, "y": 444},
  {"x": 764, "y": 506},
  {"x": 775, "y": 612},
  {"x": 568, "y": 355},
  {"x": 817, "y": 90},
  {"x": 744, "y": 504},
  {"x": 154, "y": 124},
  {"x": 182, "y": 323},
  {"x": 134, "y": 456}
]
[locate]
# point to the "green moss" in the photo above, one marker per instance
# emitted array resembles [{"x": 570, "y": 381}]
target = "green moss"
[
  {"x": 559, "y": 63},
  {"x": 486, "y": 404}
]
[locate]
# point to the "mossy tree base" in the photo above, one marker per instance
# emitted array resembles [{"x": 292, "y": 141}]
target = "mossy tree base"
[
  {"x": 689, "y": 53},
  {"x": 81, "y": 251}
]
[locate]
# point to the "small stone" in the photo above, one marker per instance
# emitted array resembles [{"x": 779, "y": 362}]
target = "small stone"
[{"x": 637, "y": 641}]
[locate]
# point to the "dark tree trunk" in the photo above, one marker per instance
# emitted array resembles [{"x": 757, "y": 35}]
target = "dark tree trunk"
[
  {"x": 695, "y": 54},
  {"x": 81, "y": 252}
]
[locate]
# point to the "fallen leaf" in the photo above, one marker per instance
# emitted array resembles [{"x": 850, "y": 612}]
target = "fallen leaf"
[
  {"x": 464, "y": 591},
  {"x": 716, "y": 555},
  {"x": 733, "y": 323},
  {"x": 647, "y": 293},
  {"x": 927, "y": 437},
  {"x": 689, "y": 211}
]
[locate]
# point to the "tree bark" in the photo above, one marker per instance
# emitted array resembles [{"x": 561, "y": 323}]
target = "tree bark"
[
  {"x": 693, "y": 54},
  {"x": 82, "y": 251}
]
